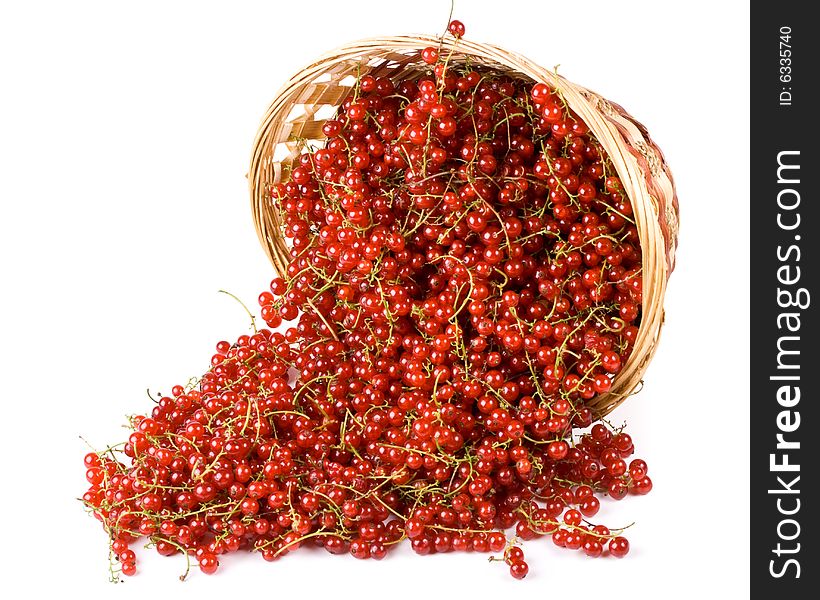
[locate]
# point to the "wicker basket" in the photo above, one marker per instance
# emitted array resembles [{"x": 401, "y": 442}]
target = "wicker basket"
[{"x": 312, "y": 95}]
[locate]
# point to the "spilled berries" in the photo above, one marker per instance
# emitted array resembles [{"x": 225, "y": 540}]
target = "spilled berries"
[{"x": 465, "y": 277}]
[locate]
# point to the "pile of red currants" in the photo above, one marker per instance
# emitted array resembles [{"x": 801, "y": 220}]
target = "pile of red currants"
[{"x": 465, "y": 277}]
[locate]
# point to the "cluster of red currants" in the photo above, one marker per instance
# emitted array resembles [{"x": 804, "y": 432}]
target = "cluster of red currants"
[{"x": 465, "y": 276}]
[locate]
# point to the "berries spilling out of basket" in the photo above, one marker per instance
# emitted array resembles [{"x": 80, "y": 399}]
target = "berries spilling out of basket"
[{"x": 464, "y": 282}]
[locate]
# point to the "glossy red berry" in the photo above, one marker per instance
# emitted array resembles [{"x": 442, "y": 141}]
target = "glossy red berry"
[
  {"x": 456, "y": 28},
  {"x": 619, "y": 547},
  {"x": 519, "y": 569}
]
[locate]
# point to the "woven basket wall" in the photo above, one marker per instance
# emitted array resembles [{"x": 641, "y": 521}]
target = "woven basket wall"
[{"x": 312, "y": 95}]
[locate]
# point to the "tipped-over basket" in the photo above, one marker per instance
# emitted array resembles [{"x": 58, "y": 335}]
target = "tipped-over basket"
[{"x": 312, "y": 95}]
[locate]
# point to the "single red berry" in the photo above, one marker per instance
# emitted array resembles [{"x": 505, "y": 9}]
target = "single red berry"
[
  {"x": 514, "y": 554},
  {"x": 519, "y": 569},
  {"x": 429, "y": 55},
  {"x": 456, "y": 28},
  {"x": 643, "y": 486},
  {"x": 593, "y": 548},
  {"x": 208, "y": 563},
  {"x": 619, "y": 547}
]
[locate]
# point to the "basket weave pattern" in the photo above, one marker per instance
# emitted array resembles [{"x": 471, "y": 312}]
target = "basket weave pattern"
[{"x": 312, "y": 96}]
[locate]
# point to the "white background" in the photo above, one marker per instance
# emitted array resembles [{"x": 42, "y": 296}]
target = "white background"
[{"x": 125, "y": 135}]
